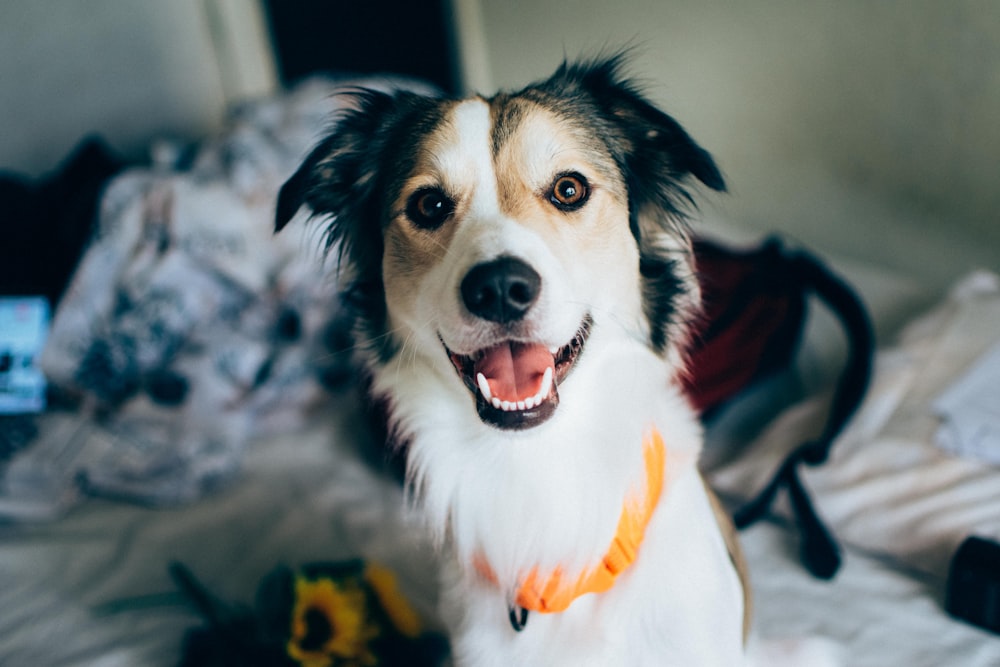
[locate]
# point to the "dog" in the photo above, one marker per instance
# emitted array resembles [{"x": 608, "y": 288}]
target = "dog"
[{"x": 524, "y": 282}]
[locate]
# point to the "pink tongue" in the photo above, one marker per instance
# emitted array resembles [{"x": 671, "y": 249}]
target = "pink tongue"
[{"x": 514, "y": 370}]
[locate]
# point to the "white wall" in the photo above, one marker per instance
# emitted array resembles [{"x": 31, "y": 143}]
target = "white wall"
[
  {"x": 128, "y": 70},
  {"x": 868, "y": 128}
]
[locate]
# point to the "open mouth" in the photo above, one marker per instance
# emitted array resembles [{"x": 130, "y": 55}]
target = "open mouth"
[{"x": 516, "y": 384}]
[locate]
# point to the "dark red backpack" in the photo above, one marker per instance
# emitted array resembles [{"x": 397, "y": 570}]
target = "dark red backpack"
[{"x": 755, "y": 305}]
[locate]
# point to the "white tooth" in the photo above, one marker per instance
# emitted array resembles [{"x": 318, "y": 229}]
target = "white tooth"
[
  {"x": 505, "y": 406},
  {"x": 484, "y": 387},
  {"x": 496, "y": 402},
  {"x": 543, "y": 393},
  {"x": 529, "y": 402},
  {"x": 554, "y": 350},
  {"x": 520, "y": 405}
]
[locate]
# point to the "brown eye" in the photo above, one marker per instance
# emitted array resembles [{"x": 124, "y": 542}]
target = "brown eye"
[
  {"x": 429, "y": 208},
  {"x": 569, "y": 192}
]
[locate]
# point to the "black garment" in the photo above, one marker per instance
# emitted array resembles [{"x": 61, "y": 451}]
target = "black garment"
[{"x": 45, "y": 224}]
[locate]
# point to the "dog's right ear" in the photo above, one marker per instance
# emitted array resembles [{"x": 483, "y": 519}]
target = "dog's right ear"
[
  {"x": 339, "y": 180},
  {"x": 294, "y": 192},
  {"x": 348, "y": 179},
  {"x": 345, "y": 177},
  {"x": 338, "y": 175}
]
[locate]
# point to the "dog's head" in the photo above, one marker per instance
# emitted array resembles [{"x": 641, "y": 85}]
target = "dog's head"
[{"x": 494, "y": 237}]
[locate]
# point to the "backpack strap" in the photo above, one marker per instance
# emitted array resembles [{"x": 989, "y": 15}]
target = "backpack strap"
[{"x": 820, "y": 552}]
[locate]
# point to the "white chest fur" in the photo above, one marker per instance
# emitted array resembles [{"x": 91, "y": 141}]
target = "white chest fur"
[
  {"x": 679, "y": 604},
  {"x": 553, "y": 497}
]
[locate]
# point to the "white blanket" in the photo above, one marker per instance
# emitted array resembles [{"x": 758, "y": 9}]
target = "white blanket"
[{"x": 84, "y": 580}]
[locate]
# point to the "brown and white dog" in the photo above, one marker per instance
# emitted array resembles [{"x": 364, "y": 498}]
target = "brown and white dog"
[{"x": 524, "y": 284}]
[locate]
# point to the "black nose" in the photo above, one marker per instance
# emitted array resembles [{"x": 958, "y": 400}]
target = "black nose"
[{"x": 502, "y": 290}]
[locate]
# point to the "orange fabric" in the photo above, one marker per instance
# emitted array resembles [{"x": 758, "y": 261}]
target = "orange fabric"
[{"x": 555, "y": 593}]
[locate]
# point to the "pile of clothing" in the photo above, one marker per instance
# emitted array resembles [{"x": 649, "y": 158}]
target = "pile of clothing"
[{"x": 188, "y": 326}]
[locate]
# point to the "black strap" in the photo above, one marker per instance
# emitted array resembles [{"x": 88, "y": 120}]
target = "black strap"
[
  {"x": 973, "y": 592},
  {"x": 820, "y": 552},
  {"x": 518, "y": 617}
]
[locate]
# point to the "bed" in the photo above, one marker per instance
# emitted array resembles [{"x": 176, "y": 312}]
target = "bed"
[{"x": 234, "y": 440}]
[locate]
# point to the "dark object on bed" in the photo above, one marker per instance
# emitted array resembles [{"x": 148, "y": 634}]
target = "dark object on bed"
[
  {"x": 974, "y": 584},
  {"x": 752, "y": 321},
  {"x": 755, "y": 312},
  {"x": 47, "y": 223}
]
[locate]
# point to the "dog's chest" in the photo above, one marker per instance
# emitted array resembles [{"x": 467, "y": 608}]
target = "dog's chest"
[{"x": 680, "y": 604}]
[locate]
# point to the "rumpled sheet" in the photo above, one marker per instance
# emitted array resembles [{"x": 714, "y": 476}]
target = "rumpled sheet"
[
  {"x": 91, "y": 589},
  {"x": 888, "y": 488}
]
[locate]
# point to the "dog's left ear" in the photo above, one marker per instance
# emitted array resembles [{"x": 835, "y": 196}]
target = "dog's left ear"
[
  {"x": 654, "y": 152},
  {"x": 658, "y": 159}
]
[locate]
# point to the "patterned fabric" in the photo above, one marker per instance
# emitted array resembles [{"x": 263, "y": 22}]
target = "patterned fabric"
[{"x": 189, "y": 326}]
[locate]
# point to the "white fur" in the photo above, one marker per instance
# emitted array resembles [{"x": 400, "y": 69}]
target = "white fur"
[{"x": 553, "y": 496}]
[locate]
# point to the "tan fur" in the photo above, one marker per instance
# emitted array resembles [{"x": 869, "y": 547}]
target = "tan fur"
[
  {"x": 537, "y": 151},
  {"x": 732, "y": 540},
  {"x": 410, "y": 251}
]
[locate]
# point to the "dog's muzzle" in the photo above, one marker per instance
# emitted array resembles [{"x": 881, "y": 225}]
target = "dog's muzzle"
[{"x": 515, "y": 382}]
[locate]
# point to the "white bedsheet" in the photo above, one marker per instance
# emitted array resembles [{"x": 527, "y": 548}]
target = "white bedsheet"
[
  {"x": 304, "y": 499},
  {"x": 880, "y": 616},
  {"x": 300, "y": 500}
]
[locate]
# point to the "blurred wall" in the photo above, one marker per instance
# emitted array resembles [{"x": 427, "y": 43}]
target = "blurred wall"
[
  {"x": 128, "y": 70},
  {"x": 870, "y": 129}
]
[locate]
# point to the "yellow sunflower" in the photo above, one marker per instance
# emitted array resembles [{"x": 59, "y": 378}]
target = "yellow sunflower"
[{"x": 330, "y": 621}]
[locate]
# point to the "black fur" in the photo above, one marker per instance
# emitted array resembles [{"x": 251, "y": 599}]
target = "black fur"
[
  {"x": 653, "y": 151},
  {"x": 655, "y": 155},
  {"x": 347, "y": 177},
  {"x": 353, "y": 173}
]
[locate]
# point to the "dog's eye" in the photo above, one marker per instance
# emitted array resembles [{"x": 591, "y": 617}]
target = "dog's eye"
[
  {"x": 429, "y": 208},
  {"x": 569, "y": 192}
]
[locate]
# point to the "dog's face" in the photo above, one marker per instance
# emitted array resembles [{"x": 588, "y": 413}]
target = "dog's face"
[{"x": 494, "y": 237}]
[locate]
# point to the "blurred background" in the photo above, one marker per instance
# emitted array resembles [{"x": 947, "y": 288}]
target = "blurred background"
[{"x": 867, "y": 129}]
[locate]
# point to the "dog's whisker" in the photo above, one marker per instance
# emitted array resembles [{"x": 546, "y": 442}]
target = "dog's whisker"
[
  {"x": 408, "y": 352},
  {"x": 633, "y": 328}
]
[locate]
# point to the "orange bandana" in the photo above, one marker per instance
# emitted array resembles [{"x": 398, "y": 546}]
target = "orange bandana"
[{"x": 556, "y": 593}]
